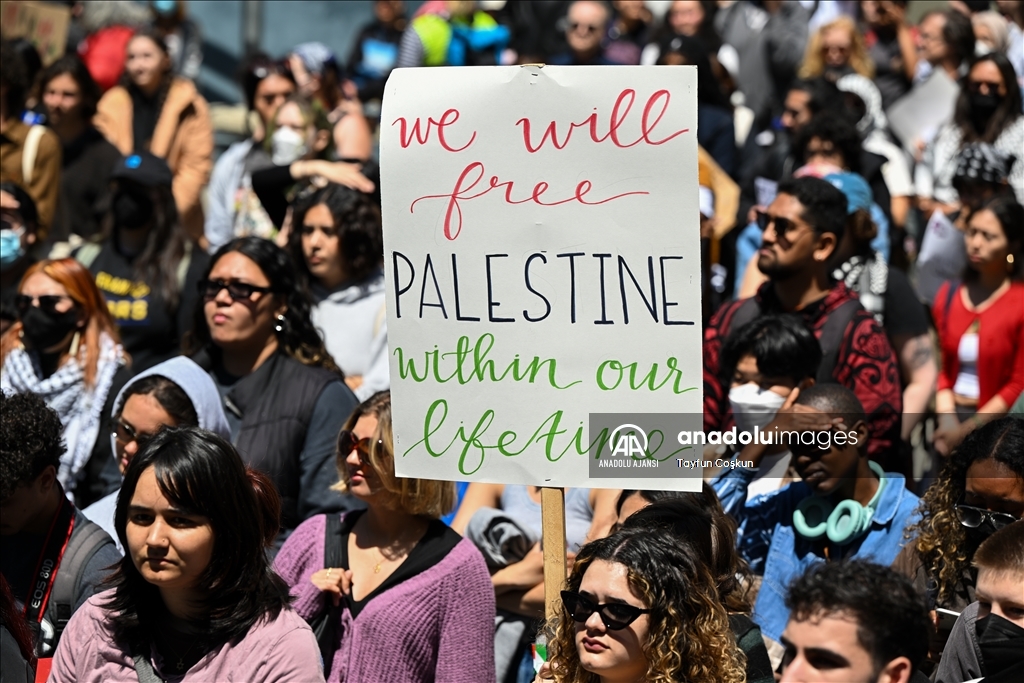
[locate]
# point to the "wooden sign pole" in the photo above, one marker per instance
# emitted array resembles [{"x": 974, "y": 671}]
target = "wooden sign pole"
[{"x": 552, "y": 506}]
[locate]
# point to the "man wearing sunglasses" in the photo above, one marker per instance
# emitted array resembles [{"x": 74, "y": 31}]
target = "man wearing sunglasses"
[
  {"x": 844, "y": 507},
  {"x": 585, "y": 30},
  {"x": 854, "y": 622},
  {"x": 802, "y": 228}
]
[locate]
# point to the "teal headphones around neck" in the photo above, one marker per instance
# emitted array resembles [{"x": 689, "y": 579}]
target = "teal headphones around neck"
[{"x": 842, "y": 523}]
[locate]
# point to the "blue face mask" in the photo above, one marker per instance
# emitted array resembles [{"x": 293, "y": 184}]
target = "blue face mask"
[
  {"x": 10, "y": 247},
  {"x": 165, "y": 6}
]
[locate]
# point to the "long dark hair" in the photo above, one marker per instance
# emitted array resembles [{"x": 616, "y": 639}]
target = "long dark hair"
[
  {"x": 1004, "y": 115},
  {"x": 942, "y": 542},
  {"x": 169, "y": 395},
  {"x": 298, "y": 338},
  {"x": 157, "y": 36},
  {"x": 358, "y": 225},
  {"x": 698, "y": 519},
  {"x": 203, "y": 474},
  {"x": 166, "y": 242},
  {"x": 73, "y": 66}
]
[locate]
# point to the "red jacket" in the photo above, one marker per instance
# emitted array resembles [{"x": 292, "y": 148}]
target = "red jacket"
[
  {"x": 866, "y": 364},
  {"x": 1000, "y": 342}
]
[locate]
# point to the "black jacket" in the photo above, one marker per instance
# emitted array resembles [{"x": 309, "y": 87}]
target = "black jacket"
[{"x": 276, "y": 406}]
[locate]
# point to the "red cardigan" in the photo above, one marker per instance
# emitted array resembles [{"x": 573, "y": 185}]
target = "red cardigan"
[{"x": 1000, "y": 342}]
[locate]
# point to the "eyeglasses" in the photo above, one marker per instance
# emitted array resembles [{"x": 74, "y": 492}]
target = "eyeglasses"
[
  {"x": 615, "y": 615},
  {"x": 46, "y": 303},
  {"x": 972, "y": 517},
  {"x": 125, "y": 434},
  {"x": 347, "y": 441},
  {"x": 587, "y": 28},
  {"x": 238, "y": 291}
]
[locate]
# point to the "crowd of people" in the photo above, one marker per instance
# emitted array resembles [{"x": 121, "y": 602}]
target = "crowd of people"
[{"x": 197, "y": 474}]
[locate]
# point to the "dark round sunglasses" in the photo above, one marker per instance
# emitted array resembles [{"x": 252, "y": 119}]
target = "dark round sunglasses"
[
  {"x": 972, "y": 517},
  {"x": 47, "y": 303},
  {"x": 238, "y": 291},
  {"x": 615, "y": 615}
]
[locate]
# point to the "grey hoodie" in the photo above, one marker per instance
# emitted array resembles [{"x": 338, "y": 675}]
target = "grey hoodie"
[
  {"x": 200, "y": 389},
  {"x": 353, "y": 323}
]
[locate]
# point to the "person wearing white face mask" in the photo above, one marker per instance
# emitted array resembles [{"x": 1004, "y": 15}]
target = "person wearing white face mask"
[
  {"x": 765, "y": 363},
  {"x": 298, "y": 147}
]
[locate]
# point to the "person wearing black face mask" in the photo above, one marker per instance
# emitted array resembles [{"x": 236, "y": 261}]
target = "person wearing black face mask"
[
  {"x": 988, "y": 109},
  {"x": 143, "y": 263},
  {"x": 65, "y": 349},
  {"x": 979, "y": 491},
  {"x": 992, "y": 627}
]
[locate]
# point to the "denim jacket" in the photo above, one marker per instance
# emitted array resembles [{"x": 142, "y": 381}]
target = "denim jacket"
[{"x": 770, "y": 544}]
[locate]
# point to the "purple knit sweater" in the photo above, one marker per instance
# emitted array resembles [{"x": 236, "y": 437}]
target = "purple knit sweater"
[{"x": 436, "y": 626}]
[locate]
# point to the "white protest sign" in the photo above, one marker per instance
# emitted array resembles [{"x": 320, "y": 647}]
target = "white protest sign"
[{"x": 542, "y": 255}]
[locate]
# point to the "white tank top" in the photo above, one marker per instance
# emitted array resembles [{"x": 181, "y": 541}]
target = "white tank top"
[{"x": 967, "y": 380}]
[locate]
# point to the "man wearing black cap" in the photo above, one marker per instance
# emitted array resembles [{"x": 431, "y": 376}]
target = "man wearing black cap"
[
  {"x": 144, "y": 263},
  {"x": 18, "y": 223}
]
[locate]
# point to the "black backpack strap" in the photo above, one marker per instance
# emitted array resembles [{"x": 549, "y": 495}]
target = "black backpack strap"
[
  {"x": 747, "y": 311},
  {"x": 954, "y": 287},
  {"x": 831, "y": 339},
  {"x": 332, "y": 541},
  {"x": 144, "y": 669},
  {"x": 85, "y": 542}
]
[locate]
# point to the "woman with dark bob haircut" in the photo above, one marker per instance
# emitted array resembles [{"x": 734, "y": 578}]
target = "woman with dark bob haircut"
[
  {"x": 337, "y": 245},
  {"x": 194, "y": 598},
  {"x": 282, "y": 393},
  {"x": 641, "y": 605}
]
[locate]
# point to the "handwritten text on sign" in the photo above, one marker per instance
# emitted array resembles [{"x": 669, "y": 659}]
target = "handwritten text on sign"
[{"x": 543, "y": 263}]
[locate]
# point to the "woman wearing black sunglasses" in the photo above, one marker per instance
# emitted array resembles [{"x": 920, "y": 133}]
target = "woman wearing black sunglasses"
[
  {"x": 641, "y": 605},
  {"x": 980, "y": 490},
  {"x": 282, "y": 392},
  {"x": 66, "y": 349},
  {"x": 413, "y": 600}
]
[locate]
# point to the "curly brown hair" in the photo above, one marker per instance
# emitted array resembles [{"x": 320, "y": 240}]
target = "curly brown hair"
[
  {"x": 942, "y": 542},
  {"x": 689, "y": 636}
]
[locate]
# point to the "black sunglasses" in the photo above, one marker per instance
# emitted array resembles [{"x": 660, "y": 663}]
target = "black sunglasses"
[
  {"x": 615, "y": 615},
  {"x": 347, "y": 441},
  {"x": 125, "y": 434},
  {"x": 46, "y": 303},
  {"x": 238, "y": 291},
  {"x": 972, "y": 517},
  {"x": 782, "y": 225}
]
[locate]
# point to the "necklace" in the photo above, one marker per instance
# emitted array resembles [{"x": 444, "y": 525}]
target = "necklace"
[{"x": 180, "y": 665}]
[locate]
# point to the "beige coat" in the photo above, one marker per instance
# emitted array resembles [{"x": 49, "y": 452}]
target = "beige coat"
[{"x": 183, "y": 136}]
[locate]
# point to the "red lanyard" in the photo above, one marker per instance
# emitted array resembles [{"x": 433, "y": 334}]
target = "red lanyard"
[{"x": 49, "y": 561}]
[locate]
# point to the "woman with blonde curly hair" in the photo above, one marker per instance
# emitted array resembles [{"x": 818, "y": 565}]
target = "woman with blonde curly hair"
[
  {"x": 980, "y": 490},
  {"x": 837, "y": 48},
  {"x": 641, "y": 605}
]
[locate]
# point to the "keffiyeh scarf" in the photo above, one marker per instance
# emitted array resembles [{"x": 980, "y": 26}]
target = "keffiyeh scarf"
[{"x": 80, "y": 408}]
